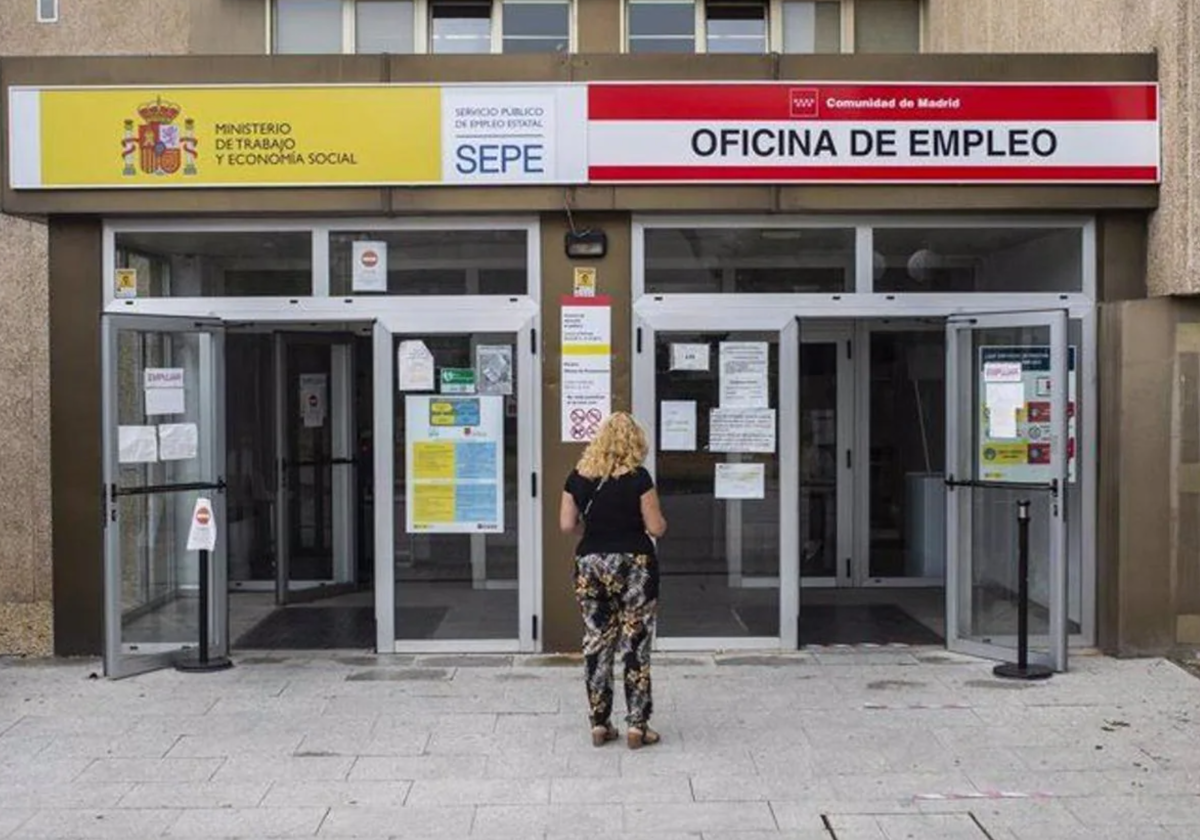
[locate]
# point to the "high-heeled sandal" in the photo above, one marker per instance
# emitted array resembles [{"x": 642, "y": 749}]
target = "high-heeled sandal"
[
  {"x": 601, "y": 735},
  {"x": 637, "y": 737}
]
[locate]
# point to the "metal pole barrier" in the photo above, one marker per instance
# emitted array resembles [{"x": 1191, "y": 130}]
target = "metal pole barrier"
[
  {"x": 202, "y": 662},
  {"x": 1023, "y": 670}
]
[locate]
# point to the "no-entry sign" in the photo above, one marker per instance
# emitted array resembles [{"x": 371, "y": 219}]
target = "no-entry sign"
[{"x": 202, "y": 536}]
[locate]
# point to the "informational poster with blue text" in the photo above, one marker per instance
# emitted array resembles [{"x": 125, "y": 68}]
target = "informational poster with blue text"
[{"x": 454, "y": 464}]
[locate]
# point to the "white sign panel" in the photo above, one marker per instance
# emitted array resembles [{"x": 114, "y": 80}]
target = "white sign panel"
[
  {"x": 369, "y": 271},
  {"x": 513, "y": 135},
  {"x": 454, "y": 469},
  {"x": 689, "y": 357},
  {"x": 898, "y": 132},
  {"x": 677, "y": 426},
  {"x": 586, "y": 366},
  {"x": 165, "y": 391},
  {"x": 741, "y": 430},
  {"x": 178, "y": 441},
  {"x": 313, "y": 399},
  {"x": 137, "y": 444},
  {"x": 740, "y": 481},
  {"x": 202, "y": 535},
  {"x": 744, "y": 374},
  {"x": 494, "y": 369},
  {"x": 615, "y": 132},
  {"x": 414, "y": 366}
]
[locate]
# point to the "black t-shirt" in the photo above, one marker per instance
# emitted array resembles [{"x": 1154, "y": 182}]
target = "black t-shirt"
[{"x": 614, "y": 522}]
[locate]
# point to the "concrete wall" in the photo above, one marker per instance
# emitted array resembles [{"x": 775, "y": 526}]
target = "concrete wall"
[
  {"x": 135, "y": 27},
  {"x": 25, "y": 558},
  {"x": 1170, "y": 28},
  {"x": 85, "y": 27}
]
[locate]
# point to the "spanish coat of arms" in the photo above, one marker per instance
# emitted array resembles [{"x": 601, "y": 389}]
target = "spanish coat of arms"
[{"x": 160, "y": 146}]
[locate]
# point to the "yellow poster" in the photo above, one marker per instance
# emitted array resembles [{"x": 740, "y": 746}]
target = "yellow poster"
[
  {"x": 433, "y": 504},
  {"x": 125, "y": 283},
  {"x": 433, "y": 461},
  {"x": 243, "y": 136}
]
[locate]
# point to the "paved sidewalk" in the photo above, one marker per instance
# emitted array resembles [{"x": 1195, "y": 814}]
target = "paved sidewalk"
[{"x": 854, "y": 745}]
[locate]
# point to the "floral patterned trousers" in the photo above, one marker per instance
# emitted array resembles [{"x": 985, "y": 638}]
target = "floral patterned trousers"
[{"x": 618, "y": 599}]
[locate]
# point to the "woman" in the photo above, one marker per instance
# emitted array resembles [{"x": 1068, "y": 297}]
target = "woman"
[{"x": 610, "y": 497}]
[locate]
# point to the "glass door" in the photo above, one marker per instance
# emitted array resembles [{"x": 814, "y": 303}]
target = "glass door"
[
  {"x": 1007, "y": 441},
  {"x": 316, "y": 456},
  {"x": 826, "y": 456},
  {"x": 163, "y": 431},
  {"x": 721, "y": 407},
  {"x": 455, "y": 481}
]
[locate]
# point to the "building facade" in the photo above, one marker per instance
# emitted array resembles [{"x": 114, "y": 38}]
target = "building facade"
[{"x": 816, "y": 352}]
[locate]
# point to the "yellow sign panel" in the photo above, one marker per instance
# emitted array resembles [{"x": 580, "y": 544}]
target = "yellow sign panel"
[
  {"x": 433, "y": 504},
  {"x": 240, "y": 136},
  {"x": 125, "y": 285},
  {"x": 433, "y": 461},
  {"x": 585, "y": 282}
]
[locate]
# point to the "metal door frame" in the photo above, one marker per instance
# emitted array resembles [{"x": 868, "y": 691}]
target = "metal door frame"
[
  {"x": 844, "y": 336},
  {"x": 961, "y": 444},
  {"x": 118, "y": 662},
  {"x": 647, "y": 324},
  {"x": 864, "y": 330},
  {"x": 519, "y": 317},
  {"x": 340, "y": 394}
]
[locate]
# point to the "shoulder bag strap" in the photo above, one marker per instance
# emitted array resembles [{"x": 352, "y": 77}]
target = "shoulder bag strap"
[{"x": 595, "y": 493}]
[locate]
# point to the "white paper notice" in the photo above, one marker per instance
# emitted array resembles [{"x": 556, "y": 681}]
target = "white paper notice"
[
  {"x": 369, "y": 272},
  {"x": 1002, "y": 372},
  {"x": 414, "y": 365},
  {"x": 741, "y": 430},
  {"x": 165, "y": 401},
  {"x": 740, "y": 481},
  {"x": 178, "y": 441},
  {"x": 137, "y": 444},
  {"x": 677, "y": 426},
  {"x": 313, "y": 399},
  {"x": 164, "y": 390},
  {"x": 494, "y": 369},
  {"x": 1004, "y": 400},
  {"x": 689, "y": 357},
  {"x": 586, "y": 366},
  {"x": 744, "y": 374}
]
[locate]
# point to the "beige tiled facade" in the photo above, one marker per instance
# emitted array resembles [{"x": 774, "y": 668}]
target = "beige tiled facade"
[
  {"x": 225, "y": 27},
  {"x": 1165, "y": 27}
]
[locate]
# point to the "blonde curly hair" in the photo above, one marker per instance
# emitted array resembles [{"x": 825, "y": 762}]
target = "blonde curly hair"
[{"x": 618, "y": 448}]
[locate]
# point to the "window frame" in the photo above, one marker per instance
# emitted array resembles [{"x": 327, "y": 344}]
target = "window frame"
[
  {"x": 774, "y": 11},
  {"x": 422, "y": 26},
  {"x": 54, "y": 11},
  {"x": 772, "y": 20}
]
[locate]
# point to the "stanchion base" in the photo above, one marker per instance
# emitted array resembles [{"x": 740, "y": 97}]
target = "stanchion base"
[
  {"x": 1012, "y": 671},
  {"x": 193, "y": 665}
]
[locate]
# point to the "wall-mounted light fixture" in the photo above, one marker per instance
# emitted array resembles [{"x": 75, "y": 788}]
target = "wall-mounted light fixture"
[{"x": 589, "y": 244}]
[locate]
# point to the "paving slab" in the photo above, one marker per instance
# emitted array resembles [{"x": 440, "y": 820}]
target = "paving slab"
[{"x": 879, "y": 744}]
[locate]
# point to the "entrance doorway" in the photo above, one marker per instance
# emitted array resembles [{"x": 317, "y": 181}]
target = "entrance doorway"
[
  {"x": 872, "y": 454},
  {"x": 298, "y": 407},
  {"x": 853, "y": 481}
]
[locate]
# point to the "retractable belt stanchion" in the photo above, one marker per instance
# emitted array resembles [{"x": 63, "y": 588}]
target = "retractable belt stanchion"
[
  {"x": 1022, "y": 670},
  {"x": 202, "y": 537}
]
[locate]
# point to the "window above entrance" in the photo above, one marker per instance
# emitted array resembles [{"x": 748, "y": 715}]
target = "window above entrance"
[
  {"x": 764, "y": 26},
  {"x": 216, "y": 263},
  {"x": 769, "y": 255},
  {"x": 429, "y": 262},
  {"x": 749, "y": 260},
  {"x": 405, "y": 27},
  {"x": 931, "y": 260}
]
